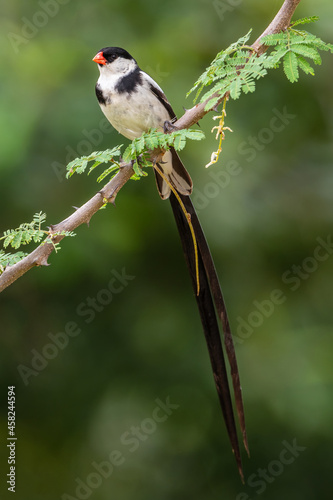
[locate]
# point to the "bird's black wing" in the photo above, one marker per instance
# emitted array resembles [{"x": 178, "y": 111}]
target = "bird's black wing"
[
  {"x": 177, "y": 165},
  {"x": 163, "y": 100}
]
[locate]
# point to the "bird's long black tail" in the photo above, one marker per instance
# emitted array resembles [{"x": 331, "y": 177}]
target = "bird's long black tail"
[{"x": 209, "y": 294}]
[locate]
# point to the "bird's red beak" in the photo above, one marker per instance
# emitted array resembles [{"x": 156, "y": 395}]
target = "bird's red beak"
[{"x": 99, "y": 58}]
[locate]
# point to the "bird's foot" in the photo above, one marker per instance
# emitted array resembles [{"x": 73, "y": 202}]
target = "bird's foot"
[{"x": 169, "y": 127}]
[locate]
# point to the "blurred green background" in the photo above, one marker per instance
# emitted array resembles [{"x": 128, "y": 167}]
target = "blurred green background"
[{"x": 263, "y": 223}]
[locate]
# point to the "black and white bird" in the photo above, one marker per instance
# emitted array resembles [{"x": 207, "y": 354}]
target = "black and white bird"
[{"x": 133, "y": 103}]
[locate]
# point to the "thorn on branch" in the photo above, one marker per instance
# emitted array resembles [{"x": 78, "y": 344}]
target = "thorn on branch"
[
  {"x": 113, "y": 200},
  {"x": 87, "y": 220},
  {"x": 42, "y": 261},
  {"x": 106, "y": 200}
]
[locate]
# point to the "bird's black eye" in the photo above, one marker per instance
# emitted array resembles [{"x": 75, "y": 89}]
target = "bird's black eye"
[{"x": 113, "y": 57}]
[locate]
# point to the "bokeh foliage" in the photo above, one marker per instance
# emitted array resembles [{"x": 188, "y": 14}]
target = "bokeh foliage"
[{"x": 263, "y": 207}]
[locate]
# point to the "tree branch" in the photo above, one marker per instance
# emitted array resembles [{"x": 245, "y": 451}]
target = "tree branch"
[
  {"x": 280, "y": 22},
  {"x": 82, "y": 215},
  {"x": 39, "y": 256}
]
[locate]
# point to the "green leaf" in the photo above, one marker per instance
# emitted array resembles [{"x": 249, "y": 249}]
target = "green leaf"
[
  {"x": 25, "y": 233},
  {"x": 275, "y": 39},
  {"x": 150, "y": 141},
  {"x": 127, "y": 155},
  {"x": 211, "y": 103},
  {"x": 290, "y": 66},
  {"x": 107, "y": 172},
  {"x": 236, "y": 70},
  {"x": 156, "y": 139},
  {"x": 64, "y": 233},
  {"x": 79, "y": 165},
  {"x": 273, "y": 60},
  {"x": 138, "y": 170},
  {"x": 225, "y": 64},
  {"x": 8, "y": 259},
  {"x": 248, "y": 86},
  {"x": 312, "y": 40},
  {"x": 235, "y": 88},
  {"x": 305, "y": 66},
  {"x": 306, "y": 51},
  {"x": 37, "y": 236},
  {"x": 304, "y": 20},
  {"x": 179, "y": 143},
  {"x": 39, "y": 218},
  {"x": 194, "y": 135}
]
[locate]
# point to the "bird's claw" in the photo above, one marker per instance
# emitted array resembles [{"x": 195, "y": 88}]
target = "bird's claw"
[{"x": 168, "y": 127}]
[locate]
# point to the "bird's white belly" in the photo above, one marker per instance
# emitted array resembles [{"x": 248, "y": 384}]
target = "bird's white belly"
[{"x": 133, "y": 115}]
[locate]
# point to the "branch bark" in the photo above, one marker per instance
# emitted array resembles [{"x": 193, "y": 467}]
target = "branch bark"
[{"x": 39, "y": 256}]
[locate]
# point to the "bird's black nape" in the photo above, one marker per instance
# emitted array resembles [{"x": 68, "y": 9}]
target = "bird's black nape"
[
  {"x": 112, "y": 53},
  {"x": 210, "y": 293}
]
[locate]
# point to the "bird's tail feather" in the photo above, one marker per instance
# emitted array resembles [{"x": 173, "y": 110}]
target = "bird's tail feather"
[
  {"x": 174, "y": 170},
  {"x": 210, "y": 293}
]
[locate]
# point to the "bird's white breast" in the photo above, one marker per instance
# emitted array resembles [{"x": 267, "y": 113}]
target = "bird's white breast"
[{"x": 133, "y": 113}]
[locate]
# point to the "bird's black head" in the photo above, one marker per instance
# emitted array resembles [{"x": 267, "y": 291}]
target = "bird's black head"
[{"x": 110, "y": 54}]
